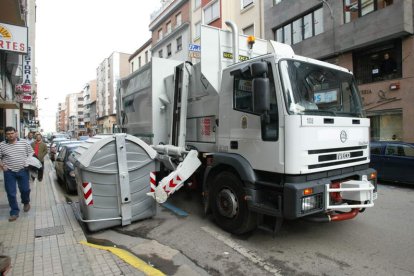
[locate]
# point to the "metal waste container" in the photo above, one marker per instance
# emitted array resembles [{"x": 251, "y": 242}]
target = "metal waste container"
[{"x": 113, "y": 179}]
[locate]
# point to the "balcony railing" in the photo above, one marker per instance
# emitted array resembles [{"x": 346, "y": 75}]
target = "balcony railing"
[{"x": 158, "y": 12}]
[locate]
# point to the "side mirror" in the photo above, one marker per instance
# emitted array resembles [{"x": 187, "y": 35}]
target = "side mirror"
[
  {"x": 261, "y": 95},
  {"x": 258, "y": 69}
]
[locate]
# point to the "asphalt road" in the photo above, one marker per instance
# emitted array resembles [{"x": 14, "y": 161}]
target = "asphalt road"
[{"x": 379, "y": 241}]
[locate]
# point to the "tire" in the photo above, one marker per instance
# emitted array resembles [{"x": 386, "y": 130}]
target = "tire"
[{"x": 229, "y": 206}]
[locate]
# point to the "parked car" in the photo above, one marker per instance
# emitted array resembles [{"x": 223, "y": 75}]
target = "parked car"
[
  {"x": 59, "y": 135},
  {"x": 65, "y": 168},
  {"x": 83, "y": 138},
  {"x": 394, "y": 161},
  {"x": 63, "y": 143},
  {"x": 53, "y": 147}
]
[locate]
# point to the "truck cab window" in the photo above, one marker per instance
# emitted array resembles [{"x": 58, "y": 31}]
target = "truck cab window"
[
  {"x": 243, "y": 101},
  {"x": 314, "y": 90}
]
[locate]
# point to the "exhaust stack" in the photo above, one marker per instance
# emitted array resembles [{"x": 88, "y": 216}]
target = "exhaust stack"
[{"x": 235, "y": 38}]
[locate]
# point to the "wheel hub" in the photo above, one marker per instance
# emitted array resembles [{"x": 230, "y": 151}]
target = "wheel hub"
[{"x": 227, "y": 203}]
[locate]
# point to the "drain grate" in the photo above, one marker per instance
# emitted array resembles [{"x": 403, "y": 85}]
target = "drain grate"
[{"x": 49, "y": 231}]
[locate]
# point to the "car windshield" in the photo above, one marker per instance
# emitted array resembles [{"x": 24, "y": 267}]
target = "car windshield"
[{"x": 316, "y": 90}]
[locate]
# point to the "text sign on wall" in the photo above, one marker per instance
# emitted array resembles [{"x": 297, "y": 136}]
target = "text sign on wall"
[
  {"x": 23, "y": 98},
  {"x": 13, "y": 38}
]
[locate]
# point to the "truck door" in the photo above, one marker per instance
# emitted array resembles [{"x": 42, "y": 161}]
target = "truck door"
[{"x": 254, "y": 133}]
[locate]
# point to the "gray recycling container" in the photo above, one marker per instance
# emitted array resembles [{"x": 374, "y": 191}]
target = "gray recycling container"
[{"x": 113, "y": 178}]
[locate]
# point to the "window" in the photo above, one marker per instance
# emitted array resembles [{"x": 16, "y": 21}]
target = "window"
[
  {"x": 139, "y": 62},
  {"x": 318, "y": 90},
  {"x": 159, "y": 34},
  {"x": 80, "y": 98},
  {"x": 399, "y": 150},
  {"x": 307, "y": 26},
  {"x": 243, "y": 101},
  {"x": 249, "y": 30},
  {"x": 287, "y": 34},
  {"x": 211, "y": 12},
  {"x": 197, "y": 30},
  {"x": 197, "y": 3},
  {"x": 160, "y": 53},
  {"x": 375, "y": 149},
  {"x": 246, "y": 3},
  {"x": 178, "y": 19},
  {"x": 367, "y": 6},
  {"x": 302, "y": 28},
  {"x": 297, "y": 30},
  {"x": 179, "y": 44},
  {"x": 168, "y": 27},
  {"x": 353, "y": 9},
  {"x": 378, "y": 63},
  {"x": 146, "y": 57},
  {"x": 132, "y": 66},
  {"x": 318, "y": 21},
  {"x": 279, "y": 35},
  {"x": 169, "y": 50}
]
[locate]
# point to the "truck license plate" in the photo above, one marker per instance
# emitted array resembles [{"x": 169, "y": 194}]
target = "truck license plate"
[{"x": 343, "y": 155}]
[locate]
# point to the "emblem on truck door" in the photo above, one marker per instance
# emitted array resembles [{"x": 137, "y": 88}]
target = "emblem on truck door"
[
  {"x": 343, "y": 136},
  {"x": 244, "y": 122}
]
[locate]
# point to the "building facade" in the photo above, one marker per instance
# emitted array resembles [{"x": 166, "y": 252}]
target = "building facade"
[
  {"x": 17, "y": 80},
  {"x": 140, "y": 57},
  {"x": 89, "y": 114},
  {"x": 246, "y": 14},
  {"x": 75, "y": 125},
  {"x": 170, "y": 27},
  {"x": 108, "y": 73},
  {"x": 373, "y": 39},
  {"x": 61, "y": 118}
]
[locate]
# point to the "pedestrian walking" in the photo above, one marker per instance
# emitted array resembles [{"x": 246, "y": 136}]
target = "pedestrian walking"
[
  {"x": 30, "y": 138},
  {"x": 13, "y": 156},
  {"x": 40, "y": 151}
]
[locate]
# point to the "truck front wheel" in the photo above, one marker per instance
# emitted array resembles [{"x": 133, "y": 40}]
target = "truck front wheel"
[{"x": 229, "y": 206}]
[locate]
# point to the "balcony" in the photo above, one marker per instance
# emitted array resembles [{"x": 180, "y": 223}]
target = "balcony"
[
  {"x": 167, "y": 9},
  {"x": 385, "y": 24}
]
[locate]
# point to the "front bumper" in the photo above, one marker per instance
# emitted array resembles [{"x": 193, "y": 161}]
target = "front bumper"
[{"x": 354, "y": 193}]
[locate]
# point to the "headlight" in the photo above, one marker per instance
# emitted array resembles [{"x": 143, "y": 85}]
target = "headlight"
[{"x": 311, "y": 203}]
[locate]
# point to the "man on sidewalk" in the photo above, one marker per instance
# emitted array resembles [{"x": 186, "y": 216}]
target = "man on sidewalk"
[
  {"x": 13, "y": 156},
  {"x": 40, "y": 151}
]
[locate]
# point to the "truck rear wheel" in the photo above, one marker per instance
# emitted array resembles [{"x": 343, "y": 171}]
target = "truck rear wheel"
[{"x": 229, "y": 206}]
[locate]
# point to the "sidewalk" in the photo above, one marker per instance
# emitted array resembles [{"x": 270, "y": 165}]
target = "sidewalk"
[{"x": 46, "y": 240}]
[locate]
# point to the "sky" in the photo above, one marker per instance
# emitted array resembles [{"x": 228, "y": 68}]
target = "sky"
[{"x": 74, "y": 36}]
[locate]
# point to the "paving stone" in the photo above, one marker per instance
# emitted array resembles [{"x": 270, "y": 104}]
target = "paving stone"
[{"x": 59, "y": 252}]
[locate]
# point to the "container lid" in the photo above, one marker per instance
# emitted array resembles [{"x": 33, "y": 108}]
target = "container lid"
[{"x": 86, "y": 151}]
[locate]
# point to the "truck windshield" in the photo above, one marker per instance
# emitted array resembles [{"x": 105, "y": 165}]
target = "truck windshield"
[{"x": 316, "y": 90}]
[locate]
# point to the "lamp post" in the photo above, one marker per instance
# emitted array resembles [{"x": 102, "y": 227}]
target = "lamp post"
[{"x": 333, "y": 23}]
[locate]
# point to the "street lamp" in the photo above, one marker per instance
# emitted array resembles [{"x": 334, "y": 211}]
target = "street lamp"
[{"x": 333, "y": 23}]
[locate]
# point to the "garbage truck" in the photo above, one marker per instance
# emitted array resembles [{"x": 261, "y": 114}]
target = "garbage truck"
[{"x": 266, "y": 134}]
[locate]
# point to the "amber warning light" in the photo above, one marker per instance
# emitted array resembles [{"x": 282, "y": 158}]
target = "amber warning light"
[
  {"x": 308, "y": 191},
  {"x": 251, "y": 40}
]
